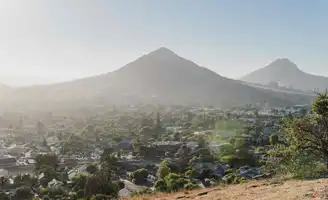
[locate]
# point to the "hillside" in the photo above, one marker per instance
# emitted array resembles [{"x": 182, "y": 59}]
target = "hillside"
[
  {"x": 287, "y": 74},
  {"x": 254, "y": 190},
  {"x": 158, "y": 77}
]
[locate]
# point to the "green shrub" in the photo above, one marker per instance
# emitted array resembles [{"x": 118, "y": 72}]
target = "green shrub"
[
  {"x": 230, "y": 160},
  {"x": 274, "y": 139},
  {"x": 160, "y": 186},
  {"x": 46, "y": 197},
  {"x": 287, "y": 162},
  {"x": 228, "y": 171},
  {"x": 163, "y": 170},
  {"x": 100, "y": 185},
  {"x": 23, "y": 193},
  {"x": 260, "y": 150},
  {"x": 57, "y": 191},
  {"x": 139, "y": 177},
  {"x": 226, "y": 150},
  {"x": 92, "y": 169},
  {"x": 242, "y": 180},
  {"x": 79, "y": 182},
  {"x": 191, "y": 186},
  {"x": 191, "y": 173},
  {"x": 174, "y": 182},
  {"x": 44, "y": 191},
  {"x": 4, "y": 196},
  {"x": 100, "y": 197},
  {"x": 80, "y": 193},
  {"x": 142, "y": 192},
  {"x": 73, "y": 196},
  {"x": 194, "y": 160},
  {"x": 233, "y": 179}
]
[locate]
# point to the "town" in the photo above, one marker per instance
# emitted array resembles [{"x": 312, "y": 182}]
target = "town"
[{"x": 140, "y": 148}]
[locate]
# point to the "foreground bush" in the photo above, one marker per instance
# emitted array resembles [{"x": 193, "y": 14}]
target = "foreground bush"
[{"x": 139, "y": 177}]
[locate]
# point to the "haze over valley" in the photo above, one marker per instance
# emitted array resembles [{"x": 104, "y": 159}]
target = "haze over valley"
[
  {"x": 165, "y": 100},
  {"x": 160, "y": 77}
]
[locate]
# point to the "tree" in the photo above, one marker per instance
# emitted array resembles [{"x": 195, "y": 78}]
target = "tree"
[
  {"x": 174, "y": 182},
  {"x": 106, "y": 154},
  {"x": 46, "y": 197},
  {"x": 310, "y": 133},
  {"x": 50, "y": 160},
  {"x": 48, "y": 172},
  {"x": 147, "y": 121},
  {"x": 3, "y": 181},
  {"x": 64, "y": 177},
  {"x": 108, "y": 160},
  {"x": 109, "y": 165},
  {"x": 4, "y": 196},
  {"x": 91, "y": 169},
  {"x": 202, "y": 142},
  {"x": 136, "y": 144},
  {"x": 23, "y": 193},
  {"x": 320, "y": 105},
  {"x": 44, "y": 192},
  {"x": 25, "y": 179},
  {"x": 191, "y": 174},
  {"x": 139, "y": 177},
  {"x": 274, "y": 139},
  {"x": 79, "y": 182},
  {"x": 146, "y": 132},
  {"x": 163, "y": 170},
  {"x": 100, "y": 185},
  {"x": 158, "y": 127},
  {"x": 160, "y": 186}
]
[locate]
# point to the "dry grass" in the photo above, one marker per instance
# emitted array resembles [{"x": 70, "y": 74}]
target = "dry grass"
[{"x": 254, "y": 190}]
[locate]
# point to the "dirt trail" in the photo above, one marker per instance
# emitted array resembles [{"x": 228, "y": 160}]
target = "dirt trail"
[{"x": 255, "y": 190}]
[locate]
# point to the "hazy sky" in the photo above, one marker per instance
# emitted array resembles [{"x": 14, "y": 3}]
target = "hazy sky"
[{"x": 55, "y": 40}]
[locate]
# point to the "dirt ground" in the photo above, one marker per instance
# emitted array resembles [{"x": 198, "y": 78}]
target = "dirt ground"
[{"x": 255, "y": 190}]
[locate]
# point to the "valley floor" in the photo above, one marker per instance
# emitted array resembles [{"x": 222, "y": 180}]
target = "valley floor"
[{"x": 254, "y": 190}]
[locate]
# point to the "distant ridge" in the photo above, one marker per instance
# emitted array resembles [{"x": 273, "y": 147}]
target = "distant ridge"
[
  {"x": 160, "y": 77},
  {"x": 287, "y": 74}
]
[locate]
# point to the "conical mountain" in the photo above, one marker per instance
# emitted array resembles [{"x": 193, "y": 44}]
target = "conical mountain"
[
  {"x": 158, "y": 77},
  {"x": 287, "y": 74}
]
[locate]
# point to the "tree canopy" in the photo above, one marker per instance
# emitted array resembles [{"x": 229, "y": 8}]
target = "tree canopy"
[{"x": 310, "y": 133}]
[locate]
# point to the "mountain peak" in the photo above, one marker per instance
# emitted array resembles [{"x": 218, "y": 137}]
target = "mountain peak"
[
  {"x": 287, "y": 75},
  {"x": 283, "y": 63},
  {"x": 163, "y": 51}
]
